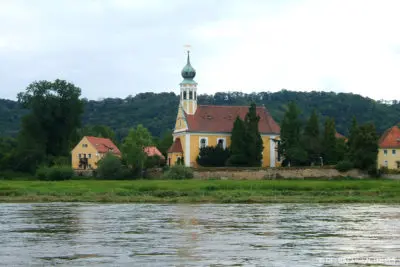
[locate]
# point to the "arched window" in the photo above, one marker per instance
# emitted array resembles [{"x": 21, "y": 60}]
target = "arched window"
[
  {"x": 184, "y": 94},
  {"x": 221, "y": 142},
  {"x": 203, "y": 142},
  {"x": 190, "y": 95}
]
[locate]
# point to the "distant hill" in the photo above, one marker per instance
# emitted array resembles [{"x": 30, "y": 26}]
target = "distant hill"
[{"x": 157, "y": 112}]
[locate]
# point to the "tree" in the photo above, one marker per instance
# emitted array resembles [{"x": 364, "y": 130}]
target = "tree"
[
  {"x": 290, "y": 146},
  {"x": 254, "y": 144},
  {"x": 133, "y": 145},
  {"x": 364, "y": 147},
  {"x": 213, "y": 156},
  {"x": 165, "y": 143},
  {"x": 311, "y": 138},
  {"x": 55, "y": 115},
  {"x": 110, "y": 167},
  {"x": 353, "y": 132},
  {"x": 341, "y": 149},
  {"x": 329, "y": 142},
  {"x": 238, "y": 144}
]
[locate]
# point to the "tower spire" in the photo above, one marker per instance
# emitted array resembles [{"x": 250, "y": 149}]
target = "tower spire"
[{"x": 188, "y": 86}]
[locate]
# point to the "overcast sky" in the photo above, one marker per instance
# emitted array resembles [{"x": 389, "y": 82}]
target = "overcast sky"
[{"x": 118, "y": 48}]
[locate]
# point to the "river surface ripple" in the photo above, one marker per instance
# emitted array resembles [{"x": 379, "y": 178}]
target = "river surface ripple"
[{"x": 81, "y": 234}]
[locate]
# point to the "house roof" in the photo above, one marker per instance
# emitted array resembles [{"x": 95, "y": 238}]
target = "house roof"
[
  {"x": 176, "y": 147},
  {"x": 103, "y": 145},
  {"x": 209, "y": 118},
  {"x": 390, "y": 138},
  {"x": 153, "y": 151},
  {"x": 338, "y": 135}
]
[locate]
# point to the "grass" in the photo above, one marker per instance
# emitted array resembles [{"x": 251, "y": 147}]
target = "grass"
[{"x": 203, "y": 191}]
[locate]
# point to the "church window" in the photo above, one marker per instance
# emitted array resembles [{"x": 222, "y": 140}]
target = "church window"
[
  {"x": 190, "y": 95},
  {"x": 195, "y": 96},
  {"x": 221, "y": 142},
  {"x": 203, "y": 142},
  {"x": 184, "y": 94}
]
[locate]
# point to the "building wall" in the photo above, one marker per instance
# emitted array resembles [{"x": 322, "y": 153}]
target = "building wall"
[
  {"x": 172, "y": 158},
  {"x": 85, "y": 150},
  {"x": 212, "y": 140},
  {"x": 180, "y": 121},
  {"x": 389, "y": 159}
]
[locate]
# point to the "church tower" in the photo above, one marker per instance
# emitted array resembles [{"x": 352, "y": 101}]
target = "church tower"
[{"x": 188, "y": 88}]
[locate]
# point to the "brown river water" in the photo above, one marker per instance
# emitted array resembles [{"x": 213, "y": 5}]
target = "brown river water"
[{"x": 81, "y": 234}]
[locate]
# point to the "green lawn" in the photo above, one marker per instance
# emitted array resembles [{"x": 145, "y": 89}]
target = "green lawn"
[{"x": 198, "y": 191}]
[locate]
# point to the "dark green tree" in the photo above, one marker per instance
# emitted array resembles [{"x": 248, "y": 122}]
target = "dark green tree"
[
  {"x": 290, "y": 146},
  {"x": 329, "y": 142},
  {"x": 353, "y": 133},
  {"x": 341, "y": 149},
  {"x": 312, "y": 139},
  {"x": 364, "y": 147},
  {"x": 164, "y": 143},
  {"x": 238, "y": 144},
  {"x": 54, "y": 116},
  {"x": 254, "y": 143}
]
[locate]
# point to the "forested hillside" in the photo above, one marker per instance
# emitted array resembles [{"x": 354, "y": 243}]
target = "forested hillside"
[{"x": 157, "y": 112}]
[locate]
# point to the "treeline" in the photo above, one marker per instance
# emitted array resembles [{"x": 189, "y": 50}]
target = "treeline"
[
  {"x": 157, "y": 112},
  {"x": 53, "y": 126},
  {"x": 303, "y": 144}
]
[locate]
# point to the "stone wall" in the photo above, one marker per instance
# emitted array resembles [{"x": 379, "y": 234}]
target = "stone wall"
[{"x": 275, "y": 173}]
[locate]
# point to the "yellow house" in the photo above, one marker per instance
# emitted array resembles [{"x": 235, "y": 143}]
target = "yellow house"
[
  {"x": 389, "y": 149},
  {"x": 90, "y": 150},
  {"x": 199, "y": 126}
]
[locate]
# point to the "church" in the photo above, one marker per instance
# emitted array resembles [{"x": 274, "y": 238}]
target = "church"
[{"x": 199, "y": 126}]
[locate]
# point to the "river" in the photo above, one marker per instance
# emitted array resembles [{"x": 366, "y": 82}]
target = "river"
[{"x": 80, "y": 234}]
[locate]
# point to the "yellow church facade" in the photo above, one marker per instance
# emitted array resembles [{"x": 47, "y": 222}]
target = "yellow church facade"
[{"x": 199, "y": 126}]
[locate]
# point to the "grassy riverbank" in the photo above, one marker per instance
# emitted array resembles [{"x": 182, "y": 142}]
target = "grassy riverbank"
[{"x": 196, "y": 191}]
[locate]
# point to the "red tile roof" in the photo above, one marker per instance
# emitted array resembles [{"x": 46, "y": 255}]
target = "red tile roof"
[
  {"x": 390, "y": 138},
  {"x": 103, "y": 145},
  {"x": 338, "y": 135},
  {"x": 217, "y": 119},
  {"x": 153, "y": 151},
  {"x": 176, "y": 147}
]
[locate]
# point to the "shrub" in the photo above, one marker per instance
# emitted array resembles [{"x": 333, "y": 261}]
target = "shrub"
[
  {"x": 344, "y": 166},
  {"x": 55, "y": 173},
  {"x": 153, "y": 161},
  {"x": 178, "y": 172},
  {"x": 237, "y": 160},
  {"x": 110, "y": 167},
  {"x": 213, "y": 156}
]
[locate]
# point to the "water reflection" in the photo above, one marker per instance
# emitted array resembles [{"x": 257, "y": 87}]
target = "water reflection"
[{"x": 199, "y": 235}]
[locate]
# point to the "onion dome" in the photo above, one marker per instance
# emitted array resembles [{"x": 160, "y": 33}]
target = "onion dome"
[{"x": 188, "y": 72}]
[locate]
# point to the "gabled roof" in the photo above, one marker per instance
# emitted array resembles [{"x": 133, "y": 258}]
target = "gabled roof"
[
  {"x": 153, "y": 151},
  {"x": 220, "y": 119},
  {"x": 103, "y": 145},
  {"x": 176, "y": 147},
  {"x": 390, "y": 138}
]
